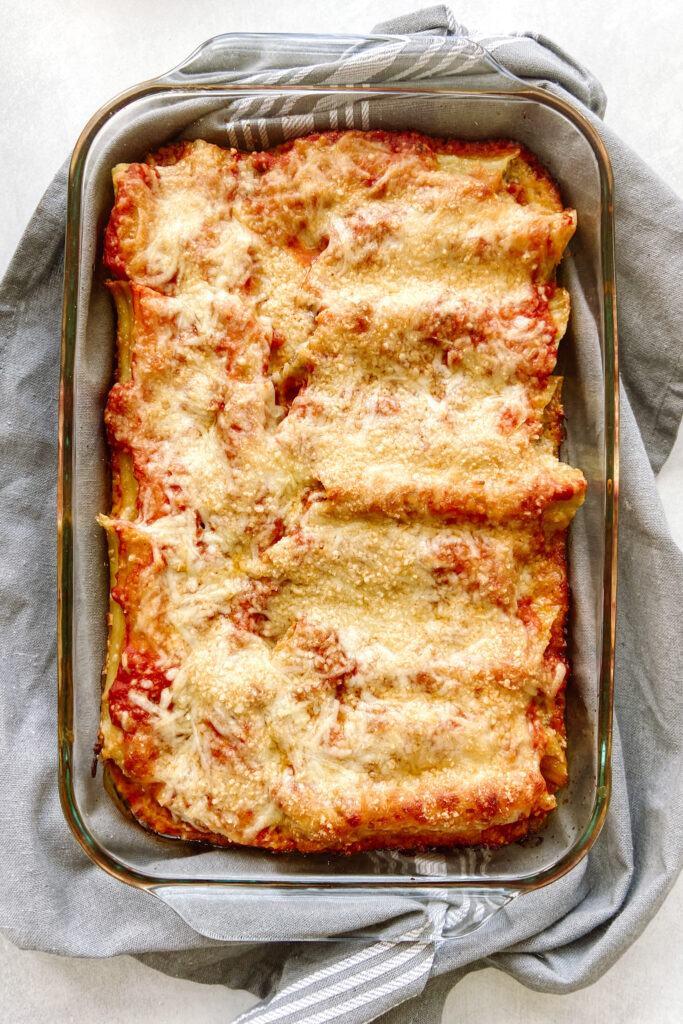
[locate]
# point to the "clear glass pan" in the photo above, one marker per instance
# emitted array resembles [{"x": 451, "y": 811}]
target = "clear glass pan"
[{"x": 218, "y": 93}]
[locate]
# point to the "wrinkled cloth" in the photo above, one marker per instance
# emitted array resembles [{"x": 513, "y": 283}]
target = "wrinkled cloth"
[{"x": 555, "y": 939}]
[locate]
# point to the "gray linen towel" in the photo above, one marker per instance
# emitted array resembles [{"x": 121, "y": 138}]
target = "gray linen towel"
[{"x": 556, "y": 939}]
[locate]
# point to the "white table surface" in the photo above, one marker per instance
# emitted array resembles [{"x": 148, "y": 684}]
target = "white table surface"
[{"x": 62, "y": 59}]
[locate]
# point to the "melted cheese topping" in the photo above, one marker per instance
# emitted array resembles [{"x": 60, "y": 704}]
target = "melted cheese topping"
[{"x": 337, "y": 535}]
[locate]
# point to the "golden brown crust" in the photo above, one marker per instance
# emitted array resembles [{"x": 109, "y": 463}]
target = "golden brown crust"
[
  {"x": 337, "y": 532},
  {"x": 152, "y": 815}
]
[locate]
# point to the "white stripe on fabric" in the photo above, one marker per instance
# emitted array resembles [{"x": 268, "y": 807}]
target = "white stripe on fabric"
[
  {"x": 263, "y": 132},
  {"x": 248, "y": 137},
  {"x": 346, "y": 963},
  {"x": 350, "y": 69},
  {"x": 455, "y": 916},
  {"x": 304, "y": 72},
  {"x": 365, "y": 114},
  {"x": 288, "y": 103},
  {"x": 378, "y": 60},
  {"x": 445, "y": 63},
  {"x": 285, "y": 76},
  {"x": 435, "y": 45},
  {"x": 374, "y": 994},
  {"x": 451, "y": 23},
  {"x": 300, "y": 124},
  {"x": 430, "y": 864},
  {"x": 403, "y": 956},
  {"x": 432, "y": 47},
  {"x": 246, "y": 108}
]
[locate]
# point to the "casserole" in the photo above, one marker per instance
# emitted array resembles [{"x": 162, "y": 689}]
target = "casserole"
[
  {"x": 207, "y": 97},
  {"x": 332, "y": 417}
]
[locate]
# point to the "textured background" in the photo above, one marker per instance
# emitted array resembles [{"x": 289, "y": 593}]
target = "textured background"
[{"x": 62, "y": 59}]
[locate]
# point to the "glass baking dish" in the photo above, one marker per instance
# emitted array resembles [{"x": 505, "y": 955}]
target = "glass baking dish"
[{"x": 223, "y": 92}]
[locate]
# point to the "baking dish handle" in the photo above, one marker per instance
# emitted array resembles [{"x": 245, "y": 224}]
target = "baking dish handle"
[
  {"x": 305, "y": 61},
  {"x": 226, "y": 913}
]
